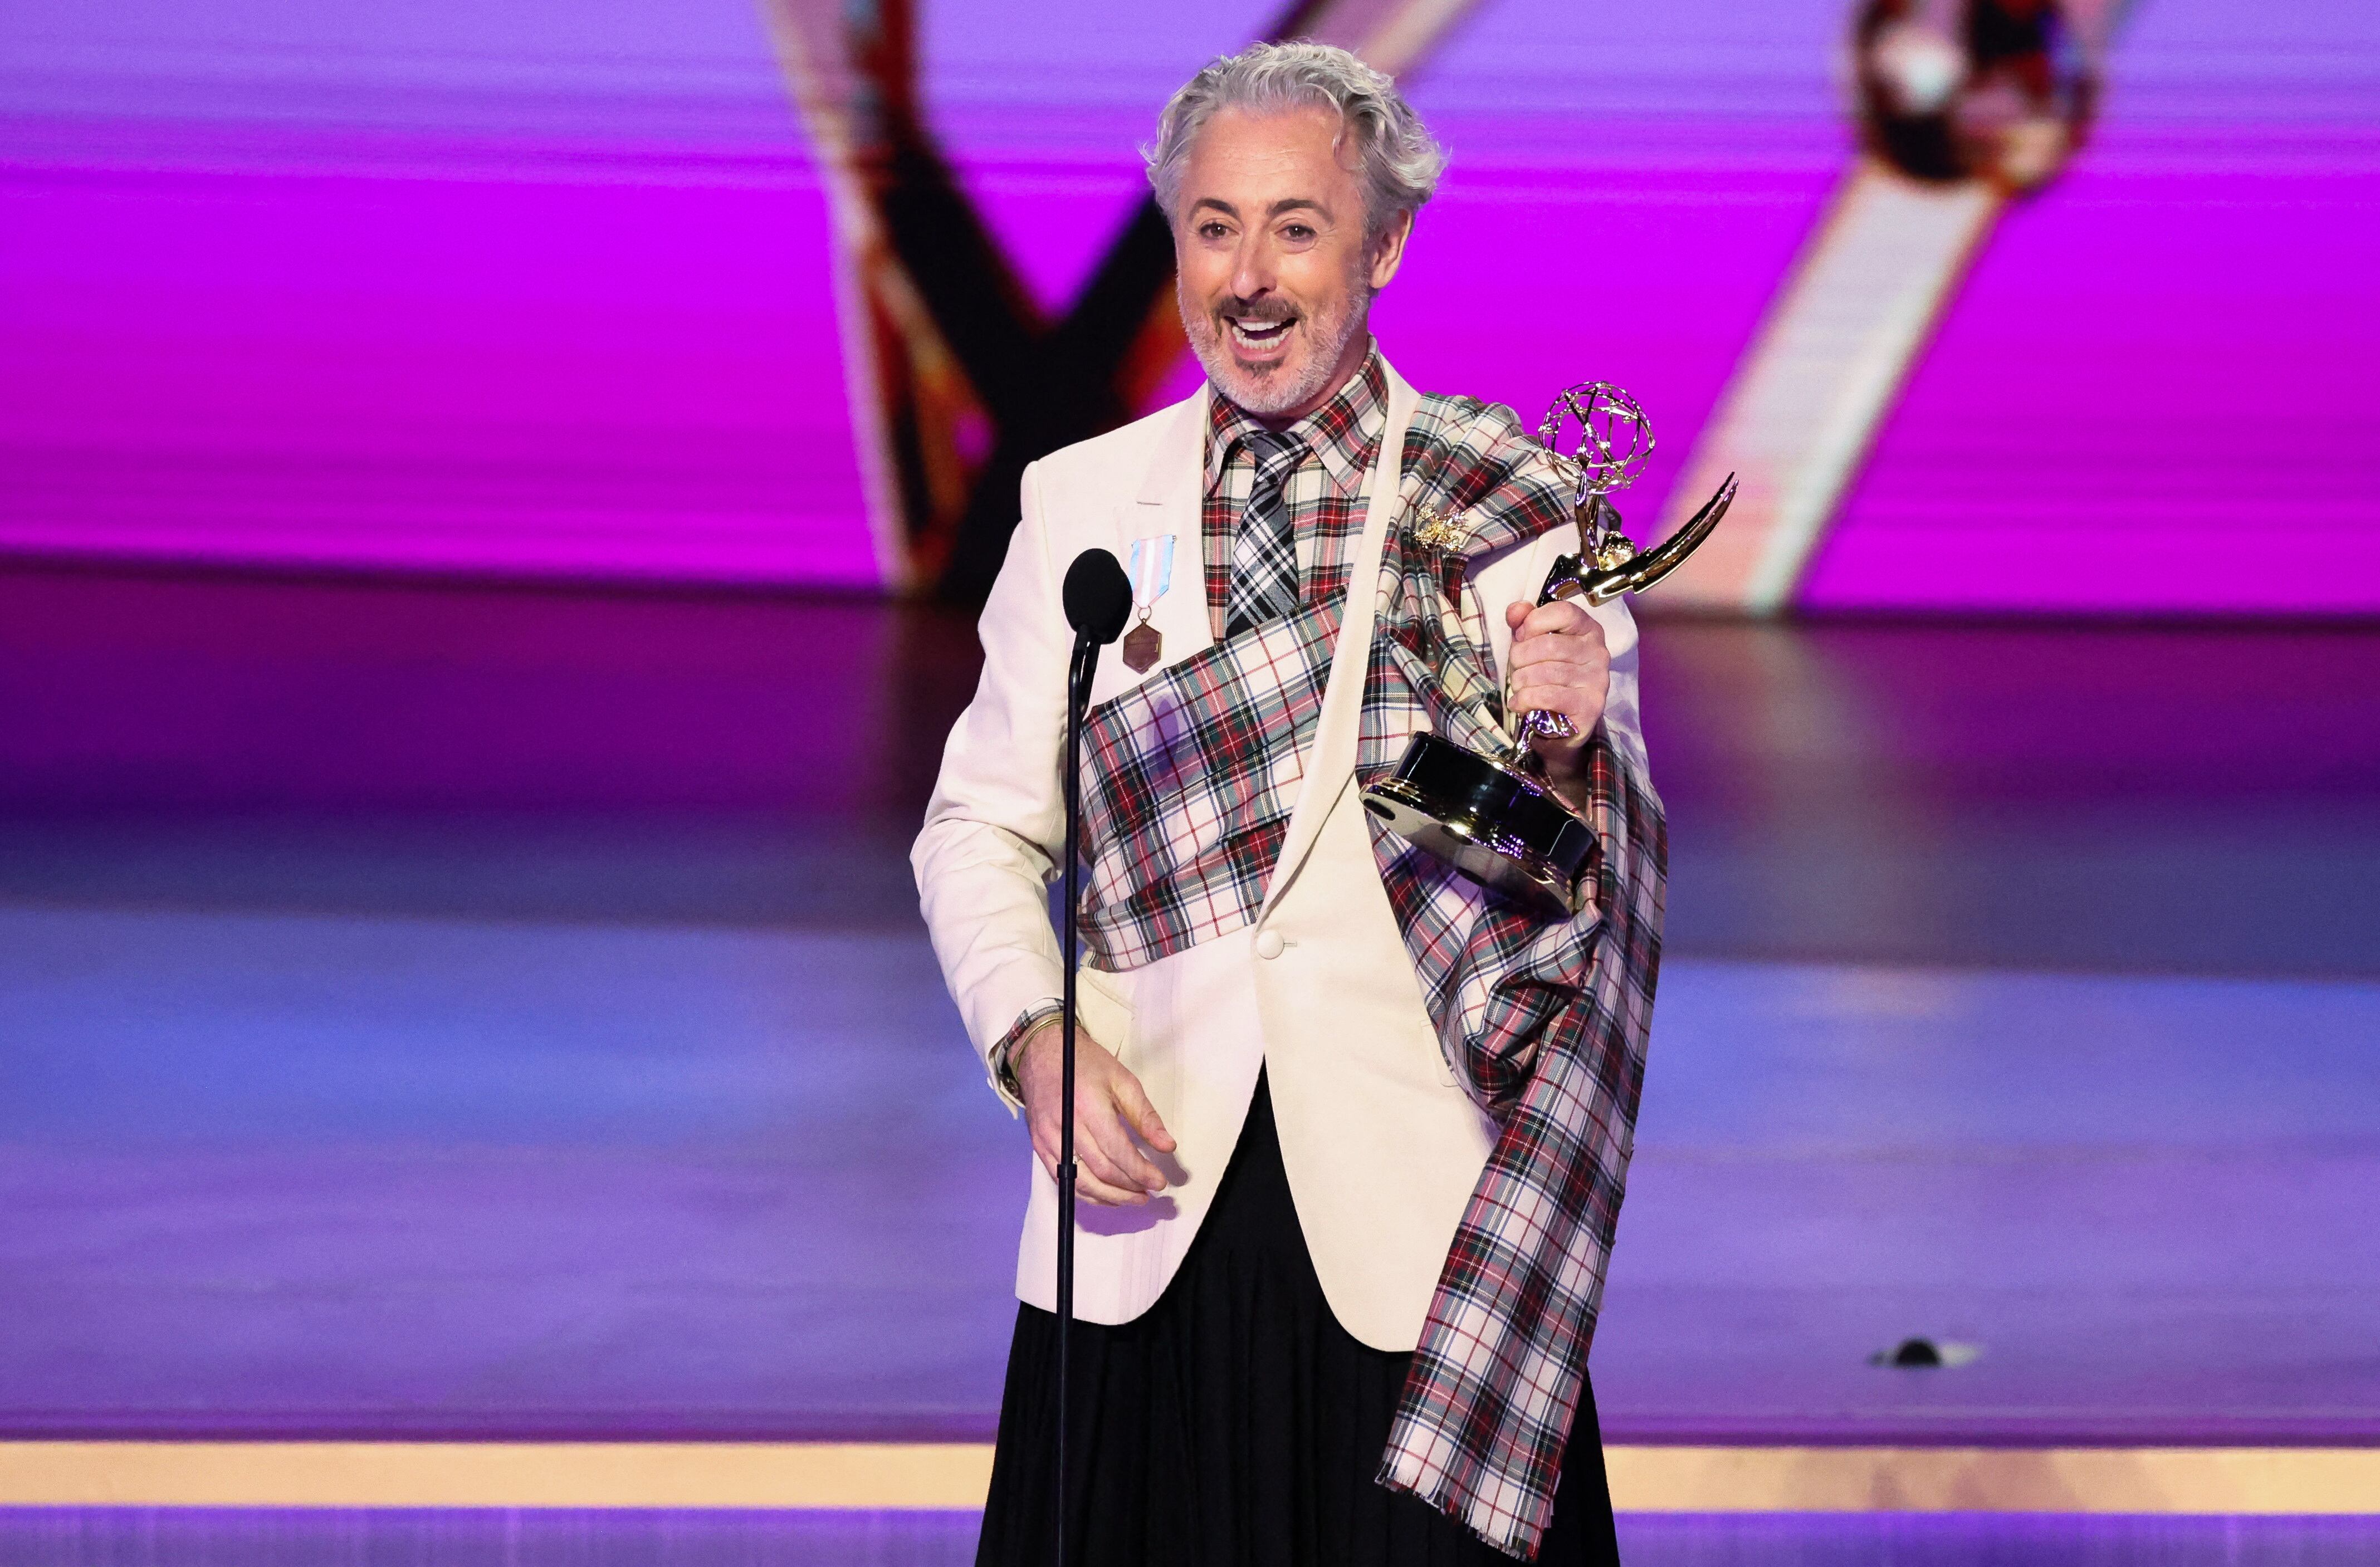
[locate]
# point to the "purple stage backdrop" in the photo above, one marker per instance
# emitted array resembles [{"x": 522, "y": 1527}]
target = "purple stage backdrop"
[{"x": 546, "y": 287}]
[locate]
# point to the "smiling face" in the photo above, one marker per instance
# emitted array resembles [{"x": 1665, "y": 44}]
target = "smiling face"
[{"x": 1275, "y": 278}]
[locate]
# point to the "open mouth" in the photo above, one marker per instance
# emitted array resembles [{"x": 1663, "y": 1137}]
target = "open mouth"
[{"x": 1258, "y": 336}]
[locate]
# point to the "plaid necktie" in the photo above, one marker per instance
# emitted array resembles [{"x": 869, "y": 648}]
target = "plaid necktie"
[{"x": 1264, "y": 550}]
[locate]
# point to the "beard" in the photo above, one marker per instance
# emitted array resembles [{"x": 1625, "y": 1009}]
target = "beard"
[{"x": 1298, "y": 377}]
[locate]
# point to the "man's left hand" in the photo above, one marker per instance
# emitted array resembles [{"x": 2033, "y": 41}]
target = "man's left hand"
[{"x": 1560, "y": 665}]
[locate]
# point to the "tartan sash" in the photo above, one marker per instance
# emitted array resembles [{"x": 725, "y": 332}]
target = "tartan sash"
[
  {"x": 1548, "y": 1021},
  {"x": 1189, "y": 780},
  {"x": 1187, "y": 797}
]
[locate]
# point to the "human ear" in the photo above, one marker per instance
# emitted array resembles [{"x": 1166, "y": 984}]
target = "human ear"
[{"x": 1389, "y": 250}]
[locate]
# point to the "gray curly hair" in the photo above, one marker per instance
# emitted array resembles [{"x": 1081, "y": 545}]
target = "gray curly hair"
[{"x": 1400, "y": 161}]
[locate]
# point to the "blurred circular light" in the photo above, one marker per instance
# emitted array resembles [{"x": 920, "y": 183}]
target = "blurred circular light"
[
  {"x": 1961, "y": 90},
  {"x": 1918, "y": 67}
]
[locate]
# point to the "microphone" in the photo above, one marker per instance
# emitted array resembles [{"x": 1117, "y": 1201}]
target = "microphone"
[
  {"x": 1099, "y": 600},
  {"x": 1099, "y": 597}
]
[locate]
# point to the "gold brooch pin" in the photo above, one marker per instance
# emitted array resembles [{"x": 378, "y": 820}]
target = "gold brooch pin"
[
  {"x": 1437, "y": 530},
  {"x": 1444, "y": 537}
]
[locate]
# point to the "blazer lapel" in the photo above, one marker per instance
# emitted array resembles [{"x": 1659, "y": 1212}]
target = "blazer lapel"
[
  {"x": 1331, "y": 761},
  {"x": 1167, "y": 505}
]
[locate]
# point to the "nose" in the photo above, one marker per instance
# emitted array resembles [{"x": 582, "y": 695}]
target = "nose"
[{"x": 1252, "y": 268}]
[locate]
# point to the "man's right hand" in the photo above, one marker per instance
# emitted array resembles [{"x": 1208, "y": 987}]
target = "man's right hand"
[{"x": 1110, "y": 1110}]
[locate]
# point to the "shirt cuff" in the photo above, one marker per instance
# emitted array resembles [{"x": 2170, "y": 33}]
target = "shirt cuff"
[{"x": 995, "y": 1060}]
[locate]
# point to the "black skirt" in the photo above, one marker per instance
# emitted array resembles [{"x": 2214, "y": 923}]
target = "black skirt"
[{"x": 1235, "y": 1424}]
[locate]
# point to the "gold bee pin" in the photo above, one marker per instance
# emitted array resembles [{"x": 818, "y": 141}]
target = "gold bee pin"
[
  {"x": 1444, "y": 537},
  {"x": 1437, "y": 530}
]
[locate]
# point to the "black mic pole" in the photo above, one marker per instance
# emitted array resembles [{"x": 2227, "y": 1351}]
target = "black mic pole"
[
  {"x": 1078, "y": 692},
  {"x": 1099, "y": 600}
]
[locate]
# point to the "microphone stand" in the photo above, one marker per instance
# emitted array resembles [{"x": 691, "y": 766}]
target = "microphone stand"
[{"x": 1078, "y": 694}]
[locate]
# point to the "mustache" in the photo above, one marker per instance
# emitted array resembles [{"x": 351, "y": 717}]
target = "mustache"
[{"x": 1260, "y": 312}]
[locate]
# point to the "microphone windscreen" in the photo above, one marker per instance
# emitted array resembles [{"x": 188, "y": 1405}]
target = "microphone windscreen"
[{"x": 1099, "y": 596}]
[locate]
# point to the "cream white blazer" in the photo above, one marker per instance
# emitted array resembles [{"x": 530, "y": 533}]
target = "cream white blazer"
[{"x": 1381, "y": 1142}]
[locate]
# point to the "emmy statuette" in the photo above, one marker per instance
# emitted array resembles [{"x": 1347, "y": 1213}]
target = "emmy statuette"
[{"x": 1493, "y": 817}]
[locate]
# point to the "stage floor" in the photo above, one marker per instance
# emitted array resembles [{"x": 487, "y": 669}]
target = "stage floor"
[
  {"x": 304, "y": 1174},
  {"x": 149, "y": 1537},
  {"x": 470, "y": 1013}
]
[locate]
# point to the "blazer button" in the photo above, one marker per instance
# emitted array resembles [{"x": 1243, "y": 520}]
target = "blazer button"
[{"x": 1268, "y": 943}]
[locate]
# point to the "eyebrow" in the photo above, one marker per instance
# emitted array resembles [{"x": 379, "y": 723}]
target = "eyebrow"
[{"x": 1286, "y": 204}]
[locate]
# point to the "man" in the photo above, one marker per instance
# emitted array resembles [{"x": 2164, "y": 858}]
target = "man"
[{"x": 1352, "y": 1133}]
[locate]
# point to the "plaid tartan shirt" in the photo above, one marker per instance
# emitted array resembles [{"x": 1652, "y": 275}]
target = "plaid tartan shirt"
[
  {"x": 1187, "y": 793},
  {"x": 1324, "y": 494}
]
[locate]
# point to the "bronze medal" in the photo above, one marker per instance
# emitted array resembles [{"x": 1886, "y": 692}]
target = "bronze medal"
[
  {"x": 1152, "y": 574},
  {"x": 1142, "y": 648}
]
